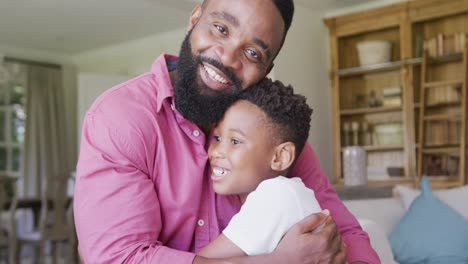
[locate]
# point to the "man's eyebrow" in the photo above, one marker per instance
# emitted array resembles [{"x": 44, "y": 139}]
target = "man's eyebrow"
[
  {"x": 264, "y": 46},
  {"x": 226, "y": 16}
]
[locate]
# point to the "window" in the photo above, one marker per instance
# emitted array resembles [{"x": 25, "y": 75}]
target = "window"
[{"x": 12, "y": 123}]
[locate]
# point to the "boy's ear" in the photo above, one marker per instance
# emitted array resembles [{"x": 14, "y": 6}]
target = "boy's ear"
[
  {"x": 194, "y": 17},
  {"x": 283, "y": 157}
]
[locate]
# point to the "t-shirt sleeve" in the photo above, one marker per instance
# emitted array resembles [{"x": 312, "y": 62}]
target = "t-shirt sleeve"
[{"x": 267, "y": 214}]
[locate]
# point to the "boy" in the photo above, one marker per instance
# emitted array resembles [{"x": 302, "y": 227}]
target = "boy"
[{"x": 255, "y": 143}]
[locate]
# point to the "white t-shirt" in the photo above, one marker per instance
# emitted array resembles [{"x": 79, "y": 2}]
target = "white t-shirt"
[{"x": 269, "y": 212}]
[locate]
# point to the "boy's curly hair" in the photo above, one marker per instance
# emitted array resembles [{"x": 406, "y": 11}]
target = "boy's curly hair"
[{"x": 288, "y": 112}]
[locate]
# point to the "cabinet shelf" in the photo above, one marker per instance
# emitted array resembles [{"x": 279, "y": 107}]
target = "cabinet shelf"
[
  {"x": 381, "y": 148},
  {"x": 454, "y": 57},
  {"x": 384, "y": 182},
  {"x": 442, "y": 117},
  {"x": 443, "y": 104},
  {"x": 442, "y": 83},
  {"x": 442, "y": 182},
  {"x": 386, "y": 66},
  {"x": 370, "y": 110},
  {"x": 441, "y": 149},
  {"x": 395, "y": 65}
]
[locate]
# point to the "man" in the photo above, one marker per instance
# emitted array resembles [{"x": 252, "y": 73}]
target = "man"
[{"x": 143, "y": 191}]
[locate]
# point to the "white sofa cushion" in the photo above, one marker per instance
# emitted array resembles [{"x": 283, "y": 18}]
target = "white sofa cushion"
[
  {"x": 378, "y": 240},
  {"x": 455, "y": 198},
  {"x": 386, "y": 212}
]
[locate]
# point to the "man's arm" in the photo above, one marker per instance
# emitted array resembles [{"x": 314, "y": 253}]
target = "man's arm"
[
  {"x": 358, "y": 247},
  {"x": 268, "y": 213},
  {"x": 116, "y": 208},
  {"x": 298, "y": 246}
]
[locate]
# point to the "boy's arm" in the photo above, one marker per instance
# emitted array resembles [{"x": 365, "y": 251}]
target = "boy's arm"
[{"x": 221, "y": 247}]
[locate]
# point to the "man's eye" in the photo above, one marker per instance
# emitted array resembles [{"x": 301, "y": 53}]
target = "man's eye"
[
  {"x": 217, "y": 138},
  {"x": 252, "y": 53},
  {"x": 221, "y": 29}
]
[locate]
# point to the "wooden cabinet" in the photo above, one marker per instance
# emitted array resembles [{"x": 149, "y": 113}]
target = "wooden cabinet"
[{"x": 379, "y": 105}]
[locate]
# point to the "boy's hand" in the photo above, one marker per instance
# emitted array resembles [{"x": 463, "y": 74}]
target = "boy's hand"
[{"x": 300, "y": 245}]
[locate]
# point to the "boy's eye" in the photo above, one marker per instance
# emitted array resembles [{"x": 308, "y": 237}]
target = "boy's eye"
[
  {"x": 217, "y": 138},
  {"x": 235, "y": 141}
]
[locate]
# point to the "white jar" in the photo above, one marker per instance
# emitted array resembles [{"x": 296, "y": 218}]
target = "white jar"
[{"x": 355, "y": 166}]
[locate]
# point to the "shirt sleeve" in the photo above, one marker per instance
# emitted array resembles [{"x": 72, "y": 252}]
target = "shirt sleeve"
[
  {"x": 265, "y": 217},
  {"x": 356, "y": 239},
  {"x": 116, "y": 208}
]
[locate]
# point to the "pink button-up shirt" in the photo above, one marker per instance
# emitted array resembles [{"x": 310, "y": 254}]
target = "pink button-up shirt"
[{"x": 143, "y": 192}]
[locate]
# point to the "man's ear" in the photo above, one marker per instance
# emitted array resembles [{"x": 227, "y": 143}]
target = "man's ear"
[
  {"x": 283, "y": 157},
  {"x": 194, "y": 17}
]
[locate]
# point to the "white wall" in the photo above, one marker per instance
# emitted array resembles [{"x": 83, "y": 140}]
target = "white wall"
[
  {"x": 304, "y": 63},
  {"x": 129, "y": 58}
]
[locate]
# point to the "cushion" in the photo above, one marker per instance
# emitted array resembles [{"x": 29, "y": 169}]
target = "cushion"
[
  {"x": 379, "y": 240},
  {"x": 455, "y": 198},
  {"x": 430, "y": 232},
  {"x": 387, "y": 212}
]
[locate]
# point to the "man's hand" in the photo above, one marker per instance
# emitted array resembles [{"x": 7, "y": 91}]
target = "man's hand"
[{"x": 300, "y": 245}]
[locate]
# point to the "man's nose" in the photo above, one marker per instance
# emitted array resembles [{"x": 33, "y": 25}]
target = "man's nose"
[{"x": 230, "y": 57}]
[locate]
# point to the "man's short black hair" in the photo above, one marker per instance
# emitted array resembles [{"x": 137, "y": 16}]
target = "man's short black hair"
[
  {"x": 288, "y": 112},
  {"x": 286, "y": 9}
]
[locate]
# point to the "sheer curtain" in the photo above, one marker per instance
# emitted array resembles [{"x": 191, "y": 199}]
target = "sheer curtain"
[{"x": 45, "y": 152}]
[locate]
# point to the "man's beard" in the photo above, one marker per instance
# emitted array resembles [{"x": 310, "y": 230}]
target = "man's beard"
[{"x": 194, "y": 99}]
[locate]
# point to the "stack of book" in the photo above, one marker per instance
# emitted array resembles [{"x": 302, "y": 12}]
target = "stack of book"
[
  {"x": 443, "y": 95},
  {"x": 439, "y": 133},
  {"x": 392, "y": 96},
  {"x": 441, "y": 165},
  {"x": 445, "y": 44}
]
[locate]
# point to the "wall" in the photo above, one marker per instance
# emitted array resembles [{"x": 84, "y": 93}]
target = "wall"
[
  {"x": 304, "y": 63},
  {"x": 129, "y": 58}
]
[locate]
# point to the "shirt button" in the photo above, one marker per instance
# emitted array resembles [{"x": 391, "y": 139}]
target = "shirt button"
[
  {"x": 201, "y": 222},
  {"x": 196, "y": 133}
]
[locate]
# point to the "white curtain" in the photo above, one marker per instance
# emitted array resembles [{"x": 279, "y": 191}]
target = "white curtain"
[{"x": 45, "y": 153}]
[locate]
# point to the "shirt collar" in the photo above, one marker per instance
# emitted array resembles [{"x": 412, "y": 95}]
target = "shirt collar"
[{"x": 160, "y": 68}]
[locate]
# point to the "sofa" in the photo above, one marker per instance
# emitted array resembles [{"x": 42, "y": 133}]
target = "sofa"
[
  {"x": 447, "y": 212},
  {"x": 378, "y": 217}
]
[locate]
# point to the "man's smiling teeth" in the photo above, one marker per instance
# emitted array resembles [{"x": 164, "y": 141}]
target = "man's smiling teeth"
[
  {"x": 219, "y": 171},
  {"x": 212, "y": 73}
]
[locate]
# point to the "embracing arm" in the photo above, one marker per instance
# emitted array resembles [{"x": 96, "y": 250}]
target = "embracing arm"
[
  {"x": 268, "y": 214},
  {"x": 298, "y": 246},
  {"x": 358, "y": 247},
  {"x": 116, "y": 208}
]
